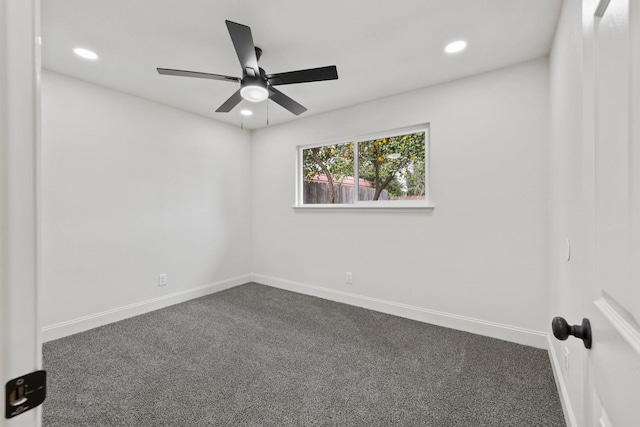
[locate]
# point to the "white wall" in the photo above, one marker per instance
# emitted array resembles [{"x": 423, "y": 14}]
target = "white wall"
[
  {"x": 568, "y": 211},
  {"x": 131, "y": 189},
  {"x": 479, "y": 261}
]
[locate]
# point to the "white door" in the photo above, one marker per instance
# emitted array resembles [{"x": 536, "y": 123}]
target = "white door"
[
  {"x": 19, "y": 127},
  {"x": 613, "y": 383}
]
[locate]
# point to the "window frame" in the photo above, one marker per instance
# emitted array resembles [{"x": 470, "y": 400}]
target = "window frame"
[{"x": 370, "y": 205}]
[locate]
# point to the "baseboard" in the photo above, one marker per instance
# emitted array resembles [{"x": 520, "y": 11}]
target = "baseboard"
[
  {"x": 563, "y": 392},
  {"x": 85, "y": 323},
  {"x": 477, "y": 326}
]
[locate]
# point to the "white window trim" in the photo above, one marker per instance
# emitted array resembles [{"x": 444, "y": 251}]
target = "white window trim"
[
  {"x": 356, "y": 208},
  {"x": 368, "y": 206}
]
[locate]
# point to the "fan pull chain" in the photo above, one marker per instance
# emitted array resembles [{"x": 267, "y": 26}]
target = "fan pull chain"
[
  {"x": 241, "y": 116},
  {"x": 267, "y": 111}
]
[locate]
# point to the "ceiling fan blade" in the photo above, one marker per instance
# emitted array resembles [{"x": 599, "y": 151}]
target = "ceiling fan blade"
[
  {"x": 182, "y": 73},
  {"x": 243, "y": 42},
  {"x": 230, "y": 103},
  {"x": 286, "y": 102},
  {"x": 304, "y": 76}
]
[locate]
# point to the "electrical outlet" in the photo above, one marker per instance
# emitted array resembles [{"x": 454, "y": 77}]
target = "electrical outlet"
[
  {"x": 566, "y": 360},
  {"x": 162, "y": 279},
  {"x": 349, "y": 277}
]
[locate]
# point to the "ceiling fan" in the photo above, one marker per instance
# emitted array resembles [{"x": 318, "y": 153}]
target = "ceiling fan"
[{"x": 255, "y": 84}]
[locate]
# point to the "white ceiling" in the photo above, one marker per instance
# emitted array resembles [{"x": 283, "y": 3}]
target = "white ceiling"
[{"x": 380, "y": 47}]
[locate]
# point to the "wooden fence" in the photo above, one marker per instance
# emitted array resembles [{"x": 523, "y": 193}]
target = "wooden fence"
[{"x": 318, "y": 192}]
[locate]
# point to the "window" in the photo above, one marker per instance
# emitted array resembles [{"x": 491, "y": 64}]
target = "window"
[{"x": 386, "y": 169}]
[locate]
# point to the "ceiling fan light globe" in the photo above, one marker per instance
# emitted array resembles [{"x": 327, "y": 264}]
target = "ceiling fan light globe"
[{"x": 254, "y": 93}]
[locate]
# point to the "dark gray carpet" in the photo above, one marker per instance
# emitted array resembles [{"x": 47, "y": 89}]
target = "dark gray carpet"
[{"x": 260, "y": 356}]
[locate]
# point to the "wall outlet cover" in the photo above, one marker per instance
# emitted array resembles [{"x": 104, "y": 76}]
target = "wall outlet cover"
[{"x": 162, "y": 279}]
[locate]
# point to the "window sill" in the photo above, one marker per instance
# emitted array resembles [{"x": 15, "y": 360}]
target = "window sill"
[{"x": 366, "y": 208}]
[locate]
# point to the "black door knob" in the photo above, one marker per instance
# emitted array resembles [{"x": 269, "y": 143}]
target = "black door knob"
[{"x": 561, "y": 330}]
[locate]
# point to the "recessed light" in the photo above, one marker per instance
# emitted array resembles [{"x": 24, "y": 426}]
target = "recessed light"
[
  {"x": 85, "y": 53},
  {"x": 455, "y": 47},
  {"x": 246, "y": 112}
]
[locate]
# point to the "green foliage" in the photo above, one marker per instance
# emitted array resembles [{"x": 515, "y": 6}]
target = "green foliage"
[
  {"x": 333, "y": 161},
  {"x": 415, "y": 180},
  {"x": 395, "y": 164},
  {"x": 337, "y": 160}
]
